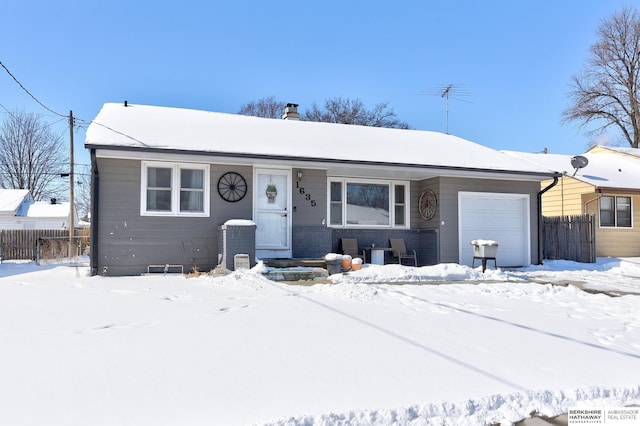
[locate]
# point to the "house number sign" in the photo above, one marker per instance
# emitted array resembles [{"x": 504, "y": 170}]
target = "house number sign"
[{"x": 306, "y": 196}]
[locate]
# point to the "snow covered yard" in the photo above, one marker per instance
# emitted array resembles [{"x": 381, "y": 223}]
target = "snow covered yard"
[{"x": 239, "y": 349}]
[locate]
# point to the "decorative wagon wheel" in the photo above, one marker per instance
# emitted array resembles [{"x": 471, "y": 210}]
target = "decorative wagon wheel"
[
  {"x": 232, "y": 187},
  {"x": 427, "y": 204}
]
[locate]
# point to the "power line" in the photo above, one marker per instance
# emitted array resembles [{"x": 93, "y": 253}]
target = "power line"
[
  {"x": 30, "y": 94},
  {"x": 61, "y": 174},
  {"x": 115, "y": 131},
  {"x": 37, "y": 114}
]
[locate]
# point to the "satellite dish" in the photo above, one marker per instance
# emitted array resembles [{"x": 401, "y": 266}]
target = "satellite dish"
[{"x": 578, "y": 162}]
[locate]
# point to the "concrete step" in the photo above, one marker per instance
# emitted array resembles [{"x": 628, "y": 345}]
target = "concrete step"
[
  {"x": 310, "y": 275},
  {"x": 291, "y": 263}
]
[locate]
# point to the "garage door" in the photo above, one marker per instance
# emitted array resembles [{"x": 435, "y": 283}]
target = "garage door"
[{"x": 493, "y": 216}]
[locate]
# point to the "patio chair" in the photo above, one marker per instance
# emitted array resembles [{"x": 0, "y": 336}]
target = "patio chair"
[
  {"x": 399, "y": 250},
  {"x": 350, "y": 247}
]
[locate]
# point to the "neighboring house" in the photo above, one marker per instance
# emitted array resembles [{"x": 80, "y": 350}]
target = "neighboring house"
[
  {"x": 626, "y": 151},
  {"x": 13, "y": 204},
  {"x": 607, "y": 187},
  {"x": 19, "y": 211},
  {"x": 164, "y": 180}
]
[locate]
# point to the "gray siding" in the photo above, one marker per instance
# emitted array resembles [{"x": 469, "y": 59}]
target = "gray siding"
[
  {"x": 309, "y": 198},
  {"x": 129, "y": 242},
  {"x": 417, "y": 222},
  {"x": 310, "y": 236},
  {"x": 448, "y": 189}
]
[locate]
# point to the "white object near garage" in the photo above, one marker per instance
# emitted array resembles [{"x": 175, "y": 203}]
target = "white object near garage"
[{"x": 495, "y": 216}]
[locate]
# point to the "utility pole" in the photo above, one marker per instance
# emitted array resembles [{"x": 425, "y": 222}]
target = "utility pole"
[{"x": 71, "y": 182}]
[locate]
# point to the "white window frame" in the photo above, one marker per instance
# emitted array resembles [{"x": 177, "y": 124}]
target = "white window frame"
[
  {"x": 175, "y": 188},
  {"x": 392, "y": 211},
  {"x": 615, "y": 212}
]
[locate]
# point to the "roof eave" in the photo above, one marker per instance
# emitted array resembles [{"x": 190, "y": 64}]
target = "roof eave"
[
  {"x": 614, "y": 190},
  {"x": 239, "y": 155}
]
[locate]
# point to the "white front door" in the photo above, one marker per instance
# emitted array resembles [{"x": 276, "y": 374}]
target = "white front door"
[{"x": 272, "y": 205}]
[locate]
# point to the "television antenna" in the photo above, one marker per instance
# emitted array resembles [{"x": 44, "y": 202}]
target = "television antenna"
[{"x": 444, "y": 91}]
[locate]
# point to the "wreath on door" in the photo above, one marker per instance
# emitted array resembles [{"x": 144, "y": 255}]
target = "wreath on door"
[{"x": 427, "y": 204}]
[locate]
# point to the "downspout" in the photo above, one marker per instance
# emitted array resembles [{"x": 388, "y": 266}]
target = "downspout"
[
  {"x": 540, "y": 246},
  {"x": 585, "y": 207},
  {"x": 95, "y": 189}
]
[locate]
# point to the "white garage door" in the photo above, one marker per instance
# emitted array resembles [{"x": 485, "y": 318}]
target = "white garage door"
[{"x": 493, "y": 216}]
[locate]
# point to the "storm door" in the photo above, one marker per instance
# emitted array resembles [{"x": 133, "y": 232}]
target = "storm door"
[{"x": 272, "y": 205}]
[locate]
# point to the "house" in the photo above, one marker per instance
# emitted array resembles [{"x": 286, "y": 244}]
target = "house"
[
  {"x": 165, "y": 181},
  {"x": 626, "y": 151},
  {"x": 18, "y": 210},
  {"x": 608, "y": 187}
]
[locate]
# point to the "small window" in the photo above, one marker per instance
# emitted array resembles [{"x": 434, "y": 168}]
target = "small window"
[
  {"x": 335, "y": 204},
  {"x": 159, "y": 189},
  {"x": 399, "y": 205},
  {"x": 615, "y": 211},
  {"x": 174, "y": 189},
  {"x": 192, "y": 190},
  {"x": 367, "y": 203}
]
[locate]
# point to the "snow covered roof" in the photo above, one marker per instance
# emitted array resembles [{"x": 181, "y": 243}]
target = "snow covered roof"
[
  {"x": 18, "y": 202},
  {"x": 634, "y": 152},
  {"x": 143, "y": 127},
  {"x": 605, "y": 170},
  {"x": 12, "y": 199},
  {"x": 44, "y": 209}
]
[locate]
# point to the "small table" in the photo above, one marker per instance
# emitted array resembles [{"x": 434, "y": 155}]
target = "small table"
[
  {"x": 484, "y": 259},
  {"x": 377, "y": 254}
]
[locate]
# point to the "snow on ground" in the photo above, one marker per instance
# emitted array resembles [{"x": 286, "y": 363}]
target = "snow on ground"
[{"x": 390, "y": 344}]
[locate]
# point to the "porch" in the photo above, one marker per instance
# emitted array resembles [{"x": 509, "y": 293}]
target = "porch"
[
  {"x": 310, "y": 244},
  {"x": 316, "y": 241}
]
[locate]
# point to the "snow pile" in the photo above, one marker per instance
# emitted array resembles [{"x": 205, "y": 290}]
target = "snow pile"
[
  {"x": 484, "y": 243},
  {"x": 494, "y": 409},
  {"x": 395, "y": 273}
]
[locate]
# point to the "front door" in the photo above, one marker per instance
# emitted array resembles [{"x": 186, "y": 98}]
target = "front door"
[{"x": 272, "y": 205}]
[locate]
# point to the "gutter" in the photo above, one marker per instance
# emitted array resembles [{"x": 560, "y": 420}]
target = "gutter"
[
  {"x": 318, "y": 160},
  {"x": 540, "y": 246},
  {"x": 95, "y": 190}
]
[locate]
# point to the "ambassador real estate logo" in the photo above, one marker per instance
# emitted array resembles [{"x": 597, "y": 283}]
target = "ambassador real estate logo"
[{"x": 626, "y": 416}]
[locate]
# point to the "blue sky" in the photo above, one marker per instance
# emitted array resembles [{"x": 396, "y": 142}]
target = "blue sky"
[{"x": 512, "y": 60}]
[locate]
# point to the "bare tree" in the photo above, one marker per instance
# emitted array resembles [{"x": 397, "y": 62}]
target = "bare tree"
[
  {"x": 353, "y": 111},
  {"x": 336, "y": 110},
  {"x": 31, "y": 156},
  {"x": 606, "y": 93},
  {"x": 267, "y": 107}
]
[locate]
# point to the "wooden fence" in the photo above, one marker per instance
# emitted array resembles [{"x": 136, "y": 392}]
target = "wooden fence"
[
  {"x": 569, "y": 238},
  {"x": 37, "y": 244}
]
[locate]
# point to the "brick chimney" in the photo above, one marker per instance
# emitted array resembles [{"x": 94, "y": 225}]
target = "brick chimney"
[{"x": 291, "y": 112}]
